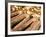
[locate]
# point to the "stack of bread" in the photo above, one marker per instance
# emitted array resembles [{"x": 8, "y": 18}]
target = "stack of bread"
[{"x": 25, "y": 18}]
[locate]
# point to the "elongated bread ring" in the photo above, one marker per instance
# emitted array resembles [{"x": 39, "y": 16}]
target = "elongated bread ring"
[{"x": 34, "y": 26}]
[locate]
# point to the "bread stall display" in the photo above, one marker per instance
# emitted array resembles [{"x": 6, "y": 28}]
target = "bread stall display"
[{"x": 25, "y": 18}]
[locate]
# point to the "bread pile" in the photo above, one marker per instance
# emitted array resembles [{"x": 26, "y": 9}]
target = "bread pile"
[{"x": 25, "y": 18}]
